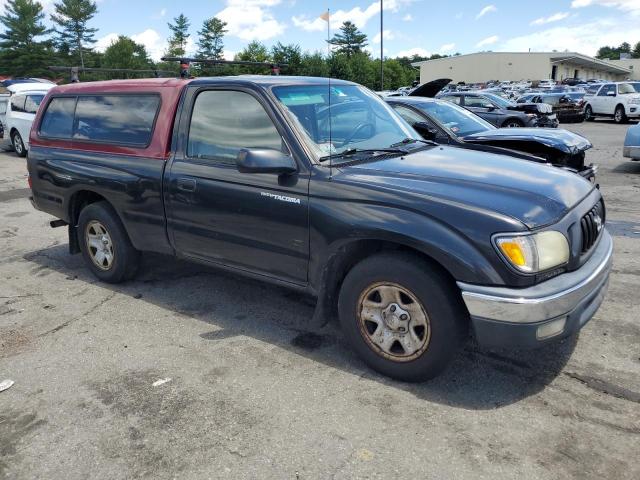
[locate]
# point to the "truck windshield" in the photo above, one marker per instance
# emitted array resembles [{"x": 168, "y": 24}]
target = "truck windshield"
[
  {"x": 343, "y": 118},
  {"x": 626, "y": 88}
]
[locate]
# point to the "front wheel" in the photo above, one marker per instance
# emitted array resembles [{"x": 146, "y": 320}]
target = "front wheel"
[
  {"x": 18, "y": 145},
  {"x": 588, "y": 114},
  {"x": 619, "y": 116},
  {"x": 402, "y": 316},
  {"x": 105, "y": 245},
  {"x": 513, "y": 123}
]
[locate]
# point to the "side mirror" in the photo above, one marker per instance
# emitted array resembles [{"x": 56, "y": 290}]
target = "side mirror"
[
  {"x": 265, "y": 160},
  {"x": 425, "y": 130}
]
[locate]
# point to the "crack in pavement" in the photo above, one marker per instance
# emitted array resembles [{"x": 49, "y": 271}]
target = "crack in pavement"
[
  {"x": 82, "y": 315},
  {"x": 603, "y": 386}
]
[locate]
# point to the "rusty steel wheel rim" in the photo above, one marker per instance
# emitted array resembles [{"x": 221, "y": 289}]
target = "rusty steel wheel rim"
[
  {"x": 99, "y": 245},
  {"x": 393, "y": 322}
]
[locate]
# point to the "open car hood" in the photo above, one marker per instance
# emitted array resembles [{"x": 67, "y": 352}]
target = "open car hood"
[
  {"x": 532, "y": 107},
  {"x": 556, "y": 139},
  {"x": 430, "y": 89}
]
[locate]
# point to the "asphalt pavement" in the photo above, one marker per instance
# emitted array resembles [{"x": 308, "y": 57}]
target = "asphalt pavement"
[{"x": 187, "y": 372}]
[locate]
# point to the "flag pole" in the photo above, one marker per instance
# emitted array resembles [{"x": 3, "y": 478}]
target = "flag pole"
[
  {"x": 329, "y": 97},
  {"x": 381, "y": 46}
]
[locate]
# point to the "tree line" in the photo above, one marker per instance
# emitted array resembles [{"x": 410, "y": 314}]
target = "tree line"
[
  {"x": 28, "y": 47},
  {"x": 613, "y": 53}
]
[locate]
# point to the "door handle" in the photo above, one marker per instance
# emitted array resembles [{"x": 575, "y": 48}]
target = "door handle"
[{"x": 186, "y": 184}]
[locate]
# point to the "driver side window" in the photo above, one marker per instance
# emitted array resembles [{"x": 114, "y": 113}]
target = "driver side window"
[
  {"x": 223, "y": 122},
  {"x": 408, "y": 115},
  {"x": 477, "y": 102}
]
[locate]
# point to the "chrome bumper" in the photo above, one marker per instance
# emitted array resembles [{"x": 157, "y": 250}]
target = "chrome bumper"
[
  {"x": 554, "y": 298},
  {"x": 631, "y": 152}
]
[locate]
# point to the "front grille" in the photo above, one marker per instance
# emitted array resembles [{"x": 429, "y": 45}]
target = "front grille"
[{"x": 591, "y": 225}]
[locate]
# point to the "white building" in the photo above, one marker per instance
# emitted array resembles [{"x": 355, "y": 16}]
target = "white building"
[{"x": 485, "y": 66}]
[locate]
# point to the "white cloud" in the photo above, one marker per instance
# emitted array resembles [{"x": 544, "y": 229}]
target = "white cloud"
[
  {"x": 631, "y": 6},
  {"x": 447, "y": 47},
  {"x": 388, "y": 35},
  {"x": 556, "y": 17},
  {"x": 251, "y": 19},
  {"x": 485, "y": 10},
  {"x": 163, "y": 12},
  {"x": 585, "y": 38},
  {"x": 407, "y": 18},
  {"x": 153, "y": 43},
  {"x": 413, "y": 51},
  {"x": 356, "y": 15},
  {"x": 487, "y": 41},
  {"x": 104, "y": 42}
]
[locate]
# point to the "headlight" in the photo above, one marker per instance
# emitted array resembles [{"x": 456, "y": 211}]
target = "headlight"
[{"x": 534, "y": 253}]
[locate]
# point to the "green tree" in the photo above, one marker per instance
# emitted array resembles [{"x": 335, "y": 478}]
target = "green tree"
[
  {"x": 210, "y": 44},
  {"x": 254, "y": 52},
  {"x": 350, "y": 40},
  {"x": 313, "y": 65},
  {"x": 21, "y": 53},
  {"x": 179, "y": 36},
  {"x": 364, "y": 70},
  {"x": 125, "y": 53},
  {"x": 339, "y": 66},
  {"x": 72, "y": 34},
  {"x": 288, "y": 54},
  {"x": 635, "y": 53}
]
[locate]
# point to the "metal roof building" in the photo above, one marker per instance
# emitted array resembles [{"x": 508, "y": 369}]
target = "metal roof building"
[{"x": 484, "y": 66}]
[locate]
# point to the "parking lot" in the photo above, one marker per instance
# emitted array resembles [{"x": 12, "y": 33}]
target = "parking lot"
[{"x": 252, "y": 390}]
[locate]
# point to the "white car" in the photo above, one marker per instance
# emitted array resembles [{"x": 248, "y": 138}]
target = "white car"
[
  {"x": 20, "y": 112},
  {"x": 546, "y": 84},
  {"x": 619, "y": 100}
]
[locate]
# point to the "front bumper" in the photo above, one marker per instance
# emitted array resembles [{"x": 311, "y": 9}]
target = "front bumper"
[
  {"x": 533, "y": 316},
  {"x": 631, "y": 152}
]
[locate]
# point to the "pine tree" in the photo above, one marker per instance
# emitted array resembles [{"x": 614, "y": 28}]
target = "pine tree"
[
  {"x": 179, "y": 36},
  {"x": 73, "y": 36},
  {"x": 210, "y": 43},
  {"x": 21, "y": 54},
  {"x": 350, "y": 40},
  {"x": 125, "y": 53}
]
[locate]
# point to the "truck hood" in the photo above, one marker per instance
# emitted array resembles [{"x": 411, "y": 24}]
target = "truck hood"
[
  {"x": 557, "y": 139},
  {"x": 532, "y": 193}
]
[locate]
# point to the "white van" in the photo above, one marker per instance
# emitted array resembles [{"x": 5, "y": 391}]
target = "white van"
[{"x": 20, "y": 112}]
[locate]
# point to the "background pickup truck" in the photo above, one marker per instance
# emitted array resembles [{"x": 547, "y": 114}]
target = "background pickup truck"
[{"x": 413, "y": 245}]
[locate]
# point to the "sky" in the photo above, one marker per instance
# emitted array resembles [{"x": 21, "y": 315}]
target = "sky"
[{"x": 411, "y": 26}]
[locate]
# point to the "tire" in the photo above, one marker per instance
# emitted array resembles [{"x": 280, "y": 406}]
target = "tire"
[
  {"x": 119, "y": 260},
  {"x": 18, "y": 144},
  {"x": 588, "y": 114},
  {"x": 437, "y": 320},
  {"x": 620, "y": 116},
  {"x": 512, "y": 123}
]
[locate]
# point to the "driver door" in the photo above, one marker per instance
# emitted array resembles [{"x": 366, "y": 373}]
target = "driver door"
[
  {"x": 483, "y": 107},
  {"x": 255, "y": 222}
]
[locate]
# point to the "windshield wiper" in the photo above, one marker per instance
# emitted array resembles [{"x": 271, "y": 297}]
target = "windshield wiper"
[
  {"x": 408, "y": 140},
  {"x": 354, "y": 151}
]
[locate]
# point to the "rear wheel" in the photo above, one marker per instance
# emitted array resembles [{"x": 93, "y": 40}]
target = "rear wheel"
[
  {"x": 588, "y": 114},
  {"x": 18, "y": 144},
  {"x": 620, "y": 116},
  {"x": 402, "y": 316},
  {"x": 104, "y": 243}
]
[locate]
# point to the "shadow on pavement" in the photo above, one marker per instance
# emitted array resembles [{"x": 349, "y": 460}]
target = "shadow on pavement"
[{"x": 232, "y": 305}]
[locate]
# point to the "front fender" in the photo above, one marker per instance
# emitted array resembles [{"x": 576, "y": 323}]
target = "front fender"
[{"x": 335, "y": 226}]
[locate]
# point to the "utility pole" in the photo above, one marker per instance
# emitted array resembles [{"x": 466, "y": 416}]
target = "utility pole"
[{"x": 381, "y": 45}]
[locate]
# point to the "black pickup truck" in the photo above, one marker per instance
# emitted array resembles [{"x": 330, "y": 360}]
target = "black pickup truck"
[{"x": 413, "y": 245}]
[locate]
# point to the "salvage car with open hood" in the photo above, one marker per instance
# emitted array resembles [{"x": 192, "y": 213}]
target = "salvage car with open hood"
[
  {"x": 447, "y": 123},
  {"x": 497, "y": 110}
]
